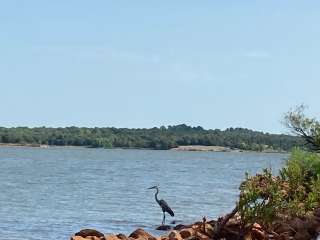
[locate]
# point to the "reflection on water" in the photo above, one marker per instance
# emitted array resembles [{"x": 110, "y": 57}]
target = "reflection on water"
[{"x": 54, "y": 192}]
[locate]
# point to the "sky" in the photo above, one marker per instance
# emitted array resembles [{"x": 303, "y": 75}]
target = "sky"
[{"x": 145, "y": 63}]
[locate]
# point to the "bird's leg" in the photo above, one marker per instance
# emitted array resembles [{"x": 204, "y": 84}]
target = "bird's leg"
[{"x": 164, "y": 218}]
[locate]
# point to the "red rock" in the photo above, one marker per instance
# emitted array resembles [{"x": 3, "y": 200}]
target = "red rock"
[
  {"x": 77, "y": 238},
  {"x": 256, "y": 226},
  {"x": 201, "y": 236},
  {"x": 174, "y": 235},
  {"x": 195, "y": 226},
  {"x": 111, "y": 237},
  {"x": 187, "y": 232},
  {"x": 180, "y": 226},
  {"x": 258, "y": 234},
  {"x": 141, "y": 234},
  {"x": 86, "y": 238},
  {"x": 163, "y": 238},
  {"x": 89, "y": 232},
  {"x": 122, "y": 236},
  {"x": 94, "y": 238}
]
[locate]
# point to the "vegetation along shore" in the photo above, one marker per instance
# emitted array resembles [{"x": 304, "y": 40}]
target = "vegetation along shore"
[{"x": 153, "y": 138}]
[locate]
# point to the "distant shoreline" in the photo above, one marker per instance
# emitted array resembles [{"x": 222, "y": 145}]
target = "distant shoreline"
[
  {"x": 186, "y": 148},
  {"x": 39, "y": 145},
  {"x": 160, "y": 138},
  {"x": 23, "y": 145},
  {"x": 200, "y": 148}
]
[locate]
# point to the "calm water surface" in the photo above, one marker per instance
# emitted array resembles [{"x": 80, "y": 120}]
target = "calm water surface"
[{"x": 52, "y": 193}]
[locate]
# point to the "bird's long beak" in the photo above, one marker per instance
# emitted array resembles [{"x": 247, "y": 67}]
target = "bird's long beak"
[{"x": 152, "y": 187}]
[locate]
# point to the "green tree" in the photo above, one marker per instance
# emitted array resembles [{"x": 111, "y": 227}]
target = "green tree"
[{"x": 303, "y": 126}]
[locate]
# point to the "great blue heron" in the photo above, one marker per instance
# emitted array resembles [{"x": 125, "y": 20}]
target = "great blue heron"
[{"x": 163, "y": 204}]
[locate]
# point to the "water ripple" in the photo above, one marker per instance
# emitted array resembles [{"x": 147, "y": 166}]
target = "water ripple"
[{"x": 52, "y": 193}]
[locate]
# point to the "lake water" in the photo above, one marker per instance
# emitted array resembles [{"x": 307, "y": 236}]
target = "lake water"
[{"x": 52, "y": 193}]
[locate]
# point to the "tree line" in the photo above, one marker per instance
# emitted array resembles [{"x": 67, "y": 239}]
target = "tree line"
[{"x": 152, "y": 138}]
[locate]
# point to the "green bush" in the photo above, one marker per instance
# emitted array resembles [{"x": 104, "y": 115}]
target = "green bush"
[
  {"x": 265, "y": 198},
  {"x": 261, "y": 198},
  {"x": 301, "y": 167}
]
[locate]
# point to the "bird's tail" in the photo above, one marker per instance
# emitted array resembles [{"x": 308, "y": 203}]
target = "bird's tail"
[{"x": 171, "y": 212}]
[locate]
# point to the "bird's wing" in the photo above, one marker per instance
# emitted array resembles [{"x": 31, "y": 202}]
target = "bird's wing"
[{"x": 165, "y": 207}]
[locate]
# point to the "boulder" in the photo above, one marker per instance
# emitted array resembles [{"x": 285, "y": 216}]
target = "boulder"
[
  {"x": 180, "y": 226},
  {"x": 258, "y": 234},
  {"x": 122, "y": 236},
  {"x": 111, "y": 237},
  {"x": 196, "y": 226},
  {"x": 77, "y": 238},
  {"x": 163, "y": 228},
  {"x": 163, "y": 238},
  {"x": 174, "y": 235},
  {"x": 86, "y": 238},
  {"x": 141, "y": 234},
  {"x": 94, "y": 238},
  {"x": 187, "y": 232},
  {"x": 201, "y": 236},
  {"x": 257, "y": 226},
  {"x": 89, "y": 232}
]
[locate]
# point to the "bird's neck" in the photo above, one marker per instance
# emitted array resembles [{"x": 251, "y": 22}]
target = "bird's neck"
[{"x": 156, "y": 195}]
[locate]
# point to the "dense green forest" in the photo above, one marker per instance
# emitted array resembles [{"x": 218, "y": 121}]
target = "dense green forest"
[{"x": 152, "y": 138}]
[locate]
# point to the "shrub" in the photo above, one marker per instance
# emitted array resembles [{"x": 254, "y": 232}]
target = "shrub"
[{"x": 265, "y": 198}]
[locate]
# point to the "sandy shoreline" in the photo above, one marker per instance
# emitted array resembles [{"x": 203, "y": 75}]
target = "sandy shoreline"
[
  {"x": 38, "y": 145},
  {"x": 205, "y": 148},
  {"x": 200, "y": 148}
]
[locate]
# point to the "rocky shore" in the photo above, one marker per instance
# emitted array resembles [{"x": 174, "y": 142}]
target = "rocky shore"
[{"x": 229, "y": 227}]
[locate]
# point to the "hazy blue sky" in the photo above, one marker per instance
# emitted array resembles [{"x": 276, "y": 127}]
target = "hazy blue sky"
[{"x": 148, "y": 63}]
